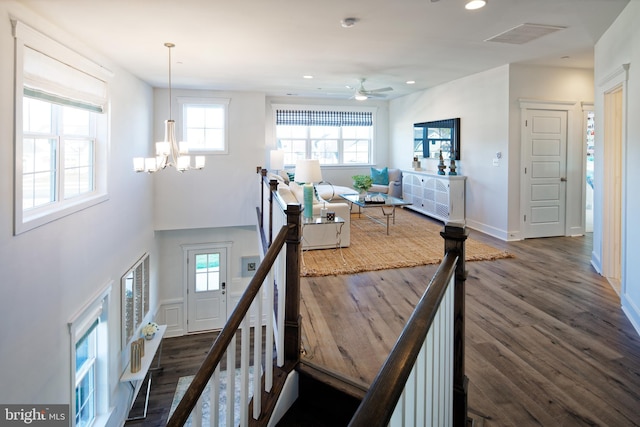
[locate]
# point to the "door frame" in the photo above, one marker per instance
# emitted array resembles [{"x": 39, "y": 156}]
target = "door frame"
[
  {"x": 186, "y": 248},
  {"x": 573, "y": 186}
]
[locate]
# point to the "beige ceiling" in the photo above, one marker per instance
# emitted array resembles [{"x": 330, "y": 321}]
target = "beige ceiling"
[{"x": 268, "y": 45}]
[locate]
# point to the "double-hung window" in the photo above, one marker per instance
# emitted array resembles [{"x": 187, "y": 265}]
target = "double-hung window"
[
  {"x": 332, "y": 135},
  {"x": 204, "y": 124},
  {"x": 61, "y": 130},
  {"x": 90, "y": 362},
  {"x": 85, "y": 377}
]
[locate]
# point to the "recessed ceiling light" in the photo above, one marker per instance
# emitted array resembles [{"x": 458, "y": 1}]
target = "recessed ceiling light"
[
  {"x": 348, "y": 22},
  {"x": 410, "y": 82},
  {"x": 475, "y": 4},
  {"x": 308, "y": 76}
]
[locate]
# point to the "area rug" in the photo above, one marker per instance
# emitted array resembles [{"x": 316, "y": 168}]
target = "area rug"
[
  {"x": 412, "y": 241},
  {"x": 183, "y": 384}
]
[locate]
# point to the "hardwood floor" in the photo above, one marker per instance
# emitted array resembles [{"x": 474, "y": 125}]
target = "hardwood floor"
[{"x": 547, "y": 343}]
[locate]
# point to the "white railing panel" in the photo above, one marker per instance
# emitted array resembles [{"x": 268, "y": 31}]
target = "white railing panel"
[
  {"x": 268, "y": 366},
  {"x": 231, "y": 384},
  {"x": 214, "y": 398},
  {"x": 257, "y": 357},
  {"x": 196, "y": 414},
  {"x": 245, "y": 353},
  {"x": 427, "y": 399}
]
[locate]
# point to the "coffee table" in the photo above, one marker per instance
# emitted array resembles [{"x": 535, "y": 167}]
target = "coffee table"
[{"x": 387, "y": 203}]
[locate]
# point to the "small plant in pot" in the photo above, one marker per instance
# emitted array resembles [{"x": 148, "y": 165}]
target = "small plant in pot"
[{"x": 362, "y": 183}]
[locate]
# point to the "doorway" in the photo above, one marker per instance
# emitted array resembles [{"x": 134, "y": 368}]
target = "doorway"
[
  {"x": 612, "y": 188},
  {"x": 589, "y": 138},
  {"x": 544, "y": 159},
  {"x": 205, "y": 269}
]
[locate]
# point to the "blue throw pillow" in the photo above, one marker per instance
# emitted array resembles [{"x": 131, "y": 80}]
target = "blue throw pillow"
[{"x": 380, "y": 176}]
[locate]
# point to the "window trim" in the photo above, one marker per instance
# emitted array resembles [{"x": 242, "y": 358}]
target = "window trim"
[
  {"x": 28, "y": 38},
  {"x": 224, "y": 102},
  {"x": 97, "y": 309},
  {"x": 317, "y": 107}
]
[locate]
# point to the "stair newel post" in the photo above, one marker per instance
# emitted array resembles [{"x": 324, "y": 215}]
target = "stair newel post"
[
  {"x": 263, "y": 174},
  {"x": 273, "y": 186},
  {"x": 454, "y": 240},
  {"x": 292, "y": 328}
]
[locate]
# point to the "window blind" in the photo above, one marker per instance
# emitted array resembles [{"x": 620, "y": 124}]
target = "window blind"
[
  {"x": 323, "y": 118},
  {"x": 54, "y": 81}
]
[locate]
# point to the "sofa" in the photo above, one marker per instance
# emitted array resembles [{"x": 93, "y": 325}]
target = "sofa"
[
  {"x": 317, "y": 236},
  {"x": 388, "y": 181}
]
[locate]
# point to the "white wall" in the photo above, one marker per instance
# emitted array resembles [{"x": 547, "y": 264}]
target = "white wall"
[
  {"x": 489, "y": 110},
  {"x": 222, "y": 194},
  {"x": 244, "y": 242},
  {"x": 570, "y": 88},
  {"x": 481, "y": 102},
  {"x": 50, "y": 272},
  {"x": 618, "y": 46}
]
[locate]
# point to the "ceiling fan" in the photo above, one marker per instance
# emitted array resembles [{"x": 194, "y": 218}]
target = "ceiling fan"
[{"x": 361, "y": 93}]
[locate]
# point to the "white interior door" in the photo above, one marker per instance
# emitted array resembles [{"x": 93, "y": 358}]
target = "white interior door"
[
  {"x": 206, "y": 288},
  {"x": 545, "y": 163}
]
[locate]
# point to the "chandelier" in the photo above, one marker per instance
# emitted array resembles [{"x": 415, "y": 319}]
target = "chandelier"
[{"x": 169, "y": 152}]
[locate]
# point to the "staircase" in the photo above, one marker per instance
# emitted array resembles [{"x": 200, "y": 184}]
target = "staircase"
[
  {"x": 324, "y": 400},
  {"x": 421, "y": 383}
]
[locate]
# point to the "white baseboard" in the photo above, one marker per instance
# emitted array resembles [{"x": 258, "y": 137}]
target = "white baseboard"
[
  {"x": 632, "y": 312},
  {"x": 508, "y": 236}
]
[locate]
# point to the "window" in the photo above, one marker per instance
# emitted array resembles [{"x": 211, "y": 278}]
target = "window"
[
  {"x": 335, "y": 137},
  {"x": 57, "y": 153},
  {"x": 61, "y": 130},
  {"x": 85, "y": 392},
  {"x": 135, "y": 299},
  {"x": 90, "y": 362},
  {"x": 204, "y": 124},
  {"x": 207, "y": 273}
]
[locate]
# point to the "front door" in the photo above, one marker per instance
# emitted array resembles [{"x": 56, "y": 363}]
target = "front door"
[
  {"x": 206, "y": 288},
  {"x": 545, "y": 163}
]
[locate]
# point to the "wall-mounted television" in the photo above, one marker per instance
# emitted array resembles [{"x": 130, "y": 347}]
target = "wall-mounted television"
[{"x": 429, "y": 138}]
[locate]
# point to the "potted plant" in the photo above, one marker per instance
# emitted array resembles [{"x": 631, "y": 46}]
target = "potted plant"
[{"x": 362, "y": 183}]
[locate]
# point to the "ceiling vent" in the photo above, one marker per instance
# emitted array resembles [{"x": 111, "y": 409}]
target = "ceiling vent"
[{"x": 524, "y": 33}]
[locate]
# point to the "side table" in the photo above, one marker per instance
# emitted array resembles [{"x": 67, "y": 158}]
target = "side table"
[
  {"x": 323, "y": 221},
  {"x": 135, "y": 379}
]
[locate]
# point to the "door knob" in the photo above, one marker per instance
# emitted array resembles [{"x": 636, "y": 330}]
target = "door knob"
[{"x": 563, "y": 179}]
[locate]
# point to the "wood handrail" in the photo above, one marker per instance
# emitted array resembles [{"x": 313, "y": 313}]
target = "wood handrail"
[
  {"x": 378, "y": 405},
  {"x": 219, "y": 347}
]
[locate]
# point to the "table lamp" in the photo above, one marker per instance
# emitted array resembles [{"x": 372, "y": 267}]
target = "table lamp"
[
  {"x": 308, "y": 171},
  {"x": 276, "y": 160}
]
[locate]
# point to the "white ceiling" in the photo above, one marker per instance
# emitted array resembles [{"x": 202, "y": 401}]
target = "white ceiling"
[{"x": 268, "y": 45}]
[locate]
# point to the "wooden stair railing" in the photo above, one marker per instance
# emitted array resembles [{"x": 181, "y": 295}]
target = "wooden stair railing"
[
  {"x": 290, "y": 234},
  {"x": 381, "y": 403}
]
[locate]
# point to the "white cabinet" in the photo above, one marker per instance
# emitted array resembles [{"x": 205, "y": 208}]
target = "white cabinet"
[{"x": 439, "y": 196}]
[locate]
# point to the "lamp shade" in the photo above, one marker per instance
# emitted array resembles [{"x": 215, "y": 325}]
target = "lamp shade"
[
  {"x": 308, "y": 170},
  {"x": 276, "y": 159}
]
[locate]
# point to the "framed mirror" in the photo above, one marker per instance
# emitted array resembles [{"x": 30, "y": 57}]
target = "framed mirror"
[{"x": 431, "y": 137}]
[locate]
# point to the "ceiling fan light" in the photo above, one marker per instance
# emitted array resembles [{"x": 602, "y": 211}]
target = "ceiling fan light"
[
  {"x": 475, "y": 4},
  {"x": 361, "y": 97}
]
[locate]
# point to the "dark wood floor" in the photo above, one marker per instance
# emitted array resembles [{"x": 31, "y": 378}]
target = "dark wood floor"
[{"x": 547, "y": 343}]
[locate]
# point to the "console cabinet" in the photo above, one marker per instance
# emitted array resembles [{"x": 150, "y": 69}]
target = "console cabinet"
[{"x": 439, "y": 196}]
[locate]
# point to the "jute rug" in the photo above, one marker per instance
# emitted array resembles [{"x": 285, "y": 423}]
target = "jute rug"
[{"x": 412, "y": 241}]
